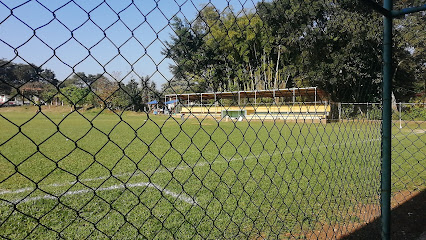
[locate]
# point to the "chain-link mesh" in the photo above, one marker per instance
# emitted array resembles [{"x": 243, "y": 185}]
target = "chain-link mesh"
[
  {"x": 408, "y": 143},
  {"x": 186, "y": 119},
  {"x": 409, "y": 156}
]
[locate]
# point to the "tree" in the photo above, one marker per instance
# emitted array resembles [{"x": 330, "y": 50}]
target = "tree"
[
  {"x": 81, "y": 80},
  {"x": 149, "y": 91},
  {"x": 409, "y": 78},
  {"x": 25, "y": 80},
  {"x": 184, "y": 49},
  {"x": 299, "y": 43},
  {"x": 133, "y": 93},
  {"x": 74, "y": 95},
  {"x": 103, "y": 89}
]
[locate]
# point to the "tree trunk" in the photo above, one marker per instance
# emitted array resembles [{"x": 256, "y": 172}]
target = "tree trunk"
[
  {"x": 286, "y": 80},
  {"x": 394, "y": 107},
  {"x": 264, "y": 67},
  {"x": 277, "y": 67}
]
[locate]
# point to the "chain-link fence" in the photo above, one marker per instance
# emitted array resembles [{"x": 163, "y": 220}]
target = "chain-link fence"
[
  {"x": 190, "y": 119},
  {"x": 409, "y": 156},
  {"x": 408, "y": 142}
]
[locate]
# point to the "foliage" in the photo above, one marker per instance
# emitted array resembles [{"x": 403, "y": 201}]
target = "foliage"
[
  {"x": 333, "y": 45},
  {"x": 128, "y": 96},
  {"x": 99, "y": 91},
  {"x": 74, "y": 95},
  {"x": 25, "y": 80},
  {"x": 103, "y": 90},
  {"x": 410, "y": 112},
  {"x": 148, "y": 91},
  {"x": 410, "y": 54}
]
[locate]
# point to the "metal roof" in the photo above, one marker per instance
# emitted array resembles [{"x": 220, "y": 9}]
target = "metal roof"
[{"x": 287, "y": 92}]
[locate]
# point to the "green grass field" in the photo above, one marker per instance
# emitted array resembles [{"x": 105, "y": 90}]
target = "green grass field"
[{"x": 99, "y": 175}]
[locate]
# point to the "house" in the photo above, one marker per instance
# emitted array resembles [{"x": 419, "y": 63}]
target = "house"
[{"x": 5, "y": 100}]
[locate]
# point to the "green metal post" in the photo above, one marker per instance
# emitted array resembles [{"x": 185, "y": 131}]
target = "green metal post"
[{"x": 386, "y": 125}]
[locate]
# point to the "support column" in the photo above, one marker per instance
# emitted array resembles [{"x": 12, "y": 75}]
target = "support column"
[
  {"x": 400, "y": 115},
  {"x": 274, "y": 95},
  {"x": 315, "y": 99},
  {"x": 367, "y": 110},
  {"x": 215, "y": 103},
  {"x": 386, "y": 124}
]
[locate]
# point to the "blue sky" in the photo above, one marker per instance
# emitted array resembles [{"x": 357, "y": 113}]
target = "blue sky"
[{"x": 58, "y": 34}]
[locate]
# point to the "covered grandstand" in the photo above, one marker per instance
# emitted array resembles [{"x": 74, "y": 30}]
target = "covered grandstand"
[{"x": 289, "y": 104}]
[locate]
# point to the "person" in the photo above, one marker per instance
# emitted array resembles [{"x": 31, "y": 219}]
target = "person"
[{"x": 182, "y": 117}]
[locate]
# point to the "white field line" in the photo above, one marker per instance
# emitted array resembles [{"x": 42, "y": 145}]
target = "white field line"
[
  {"x": 201, "y": 164},
  {"x": 20, "y": 190},
  {"x": 181, "y": 197}
]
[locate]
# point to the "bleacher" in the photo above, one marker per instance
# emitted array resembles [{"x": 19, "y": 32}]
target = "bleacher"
[
  {"x": 261, "y": 104},
  {"x": 284, "y": 112}
]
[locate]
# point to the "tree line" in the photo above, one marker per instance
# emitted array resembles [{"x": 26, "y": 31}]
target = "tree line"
[
  {"x": 27, "y": 82},
  {"x": 334, "y": 45}
]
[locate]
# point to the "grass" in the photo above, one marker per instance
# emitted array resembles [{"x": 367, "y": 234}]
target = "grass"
[
  {"x": 63, "y": 175},
  {"x": 409, "y": 156}
]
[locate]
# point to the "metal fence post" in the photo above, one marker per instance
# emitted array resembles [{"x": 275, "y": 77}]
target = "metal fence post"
[
  {"x": 367, "y": 110},
  {"x": 386, "y": 124},
  {"x": 400, "y": 120}
]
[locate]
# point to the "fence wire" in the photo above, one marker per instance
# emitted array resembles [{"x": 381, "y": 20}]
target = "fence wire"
[
  {"x": 409, "y": 161},
  {"x": 208, "y": 120}
]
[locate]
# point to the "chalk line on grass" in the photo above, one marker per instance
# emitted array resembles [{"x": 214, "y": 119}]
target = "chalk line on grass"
[
  {"x": 200, "y": 164},
  {"x": 20, "y": 190},
  {"x": 181, "y": 197}
]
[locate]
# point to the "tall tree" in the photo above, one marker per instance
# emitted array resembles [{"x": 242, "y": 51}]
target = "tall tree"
[
  {"x": 284, "y": 43},
  {"x": 184, "y": 49},
  {"x": 103, "y": 89}
]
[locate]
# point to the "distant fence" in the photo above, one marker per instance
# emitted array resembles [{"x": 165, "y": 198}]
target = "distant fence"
[
  {"x": 368, "y": 111},
  {"x": 408, "y": 151},
  {"x": 408, "y": 142}
]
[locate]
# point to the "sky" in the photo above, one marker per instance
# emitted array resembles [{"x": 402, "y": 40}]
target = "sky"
[{"x": 121, "y": 36}]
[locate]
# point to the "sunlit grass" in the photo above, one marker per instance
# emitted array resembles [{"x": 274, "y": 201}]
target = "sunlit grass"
[{"x": 64, "y": 174}]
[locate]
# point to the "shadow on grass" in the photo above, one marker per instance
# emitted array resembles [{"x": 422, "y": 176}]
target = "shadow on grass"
[{"x": 408, "y": 221}]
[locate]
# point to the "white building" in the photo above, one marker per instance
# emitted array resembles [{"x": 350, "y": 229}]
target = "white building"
[{"x": 6, "y": 100}]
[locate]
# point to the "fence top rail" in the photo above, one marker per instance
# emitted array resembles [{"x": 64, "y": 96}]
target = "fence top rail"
[
  {"x": 258, "y": 103},
  {"x": 411, "y": 103},
  {"x": 358, "y": 103},
  {"x": 403, "y": 103}
]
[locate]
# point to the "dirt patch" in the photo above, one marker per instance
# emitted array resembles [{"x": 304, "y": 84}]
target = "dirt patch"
[
  {"x": 362, "y": 216},
  {"x": 406, "y": 215},
  {"x": 407, "y": 218}
]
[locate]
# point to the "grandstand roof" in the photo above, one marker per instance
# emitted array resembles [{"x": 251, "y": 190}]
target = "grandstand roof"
[{"x": 287, "y": 92}]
